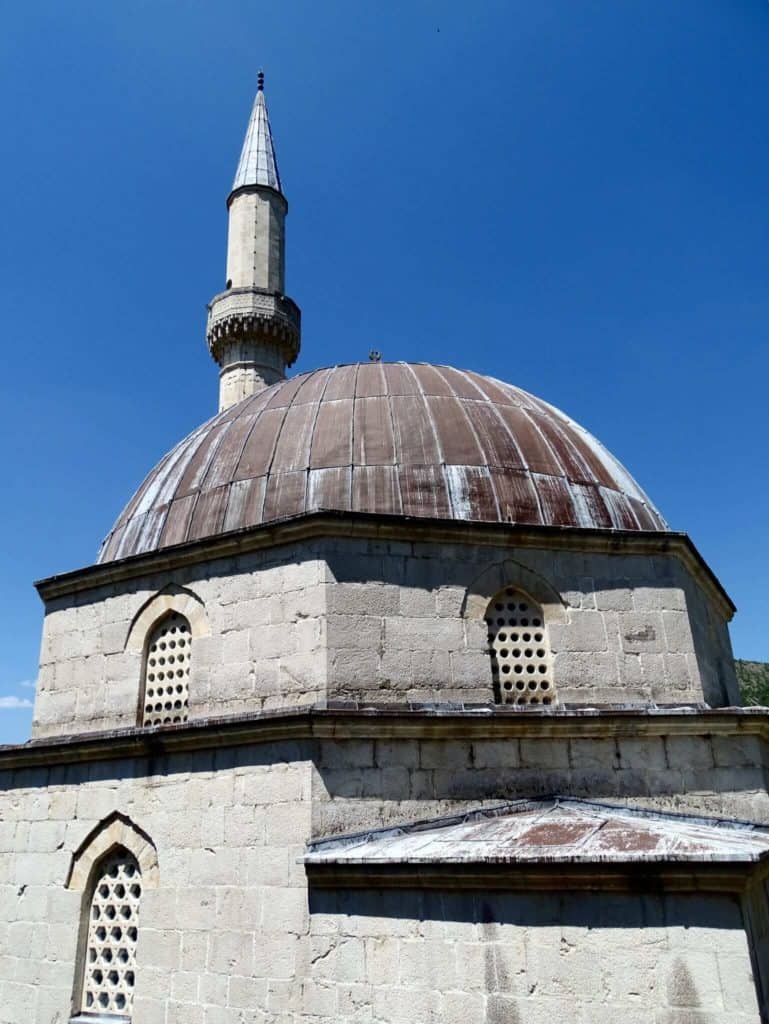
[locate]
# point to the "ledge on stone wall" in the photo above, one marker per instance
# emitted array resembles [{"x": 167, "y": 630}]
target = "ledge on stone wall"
[{"x": 345, "y": 720}]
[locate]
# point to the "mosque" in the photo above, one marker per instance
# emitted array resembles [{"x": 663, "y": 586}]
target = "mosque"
[{"x": 391, "y": 697}]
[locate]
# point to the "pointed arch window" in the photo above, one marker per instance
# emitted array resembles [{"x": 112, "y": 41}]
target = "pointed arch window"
[
  {"x": 109, "y": 968},
  {"x": 167, "y": 660},
  {"x": 521, "y": 660}
]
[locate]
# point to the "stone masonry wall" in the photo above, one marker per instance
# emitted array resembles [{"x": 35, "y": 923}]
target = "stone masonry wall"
[
  {"x": 405, "y": 622},
  {"x": 367, "y": 783},
  {"x": 756, "y": 911},
  {"x": 266, "y": 646},
  {"x": 224, "y": 931},
  {"x": 231, "y": 936},
  {"x": 387, "y": 621},
  {"x": 532, "y": 958}
]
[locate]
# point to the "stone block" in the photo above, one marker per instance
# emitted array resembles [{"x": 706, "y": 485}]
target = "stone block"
[
  {"x": 375, "y": 599},
  {"x": 272, "y": 641},
  {"x": 678, "y": 634},
  {"x": 445, "y": 754},
  {"x": 352, "y": 670},
  {"x": 395, "y": 669},
  {"x": 690, "y": 752},
  {"x": 642, "y": 632},
  {"x": 287, "y": 823},
  {"x": 113, "y": 636},
  {"x": 247, "y": 993},
  {"x": 355, "y": 631},
  {"x": 300, "y": 674},
  {"x": 691, "y": 981},
  {"x": 677, "y": 674},
  {"x": 431, "y": 669},
  {"x": 212, "y": 988},
  {"x": 577, "y": 674},
  {"x": 231, "y": 953},
  {"x": 585, "y": 632},
  {"x": 544, "y": 753},
  {"x": 415, "y": 602},
  {"x": 424, "y": 634},
  {"x": 648, "y": 594},
  {"x": 320, "y": 999},
  {"x": 163, "y": 948},
  {"x": 404, "y": 1005},
  {"x": 496, "y": 754},
  {"x": 275, "y": 955},
  {"x": 184, "y": 987},
  {"x": 346, "y": 754},
  {"x": 449, "y": 601},
  {"x": 594, "y": 754},
  {"x": 614, "y": 595}
]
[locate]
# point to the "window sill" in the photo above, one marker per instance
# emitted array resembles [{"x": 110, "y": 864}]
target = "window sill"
[{"x": 100, "y": 1018}]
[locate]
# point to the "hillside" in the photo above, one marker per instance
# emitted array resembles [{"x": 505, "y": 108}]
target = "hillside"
[{"x": 753, "y": 677}]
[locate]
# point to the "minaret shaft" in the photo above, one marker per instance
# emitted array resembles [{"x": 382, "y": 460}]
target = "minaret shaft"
[
  {"x": 256, "y": 240},
  {"x": 253, "y": 328}
]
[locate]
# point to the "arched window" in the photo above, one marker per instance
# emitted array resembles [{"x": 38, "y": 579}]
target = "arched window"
[
  {"x": 167, "y": 672},
  {"x": 521, "y": 662},
  {"x": 109, "y": 968}
]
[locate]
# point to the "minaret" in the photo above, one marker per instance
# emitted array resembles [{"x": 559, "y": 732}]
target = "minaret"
[{"x": 253, "y": 328}]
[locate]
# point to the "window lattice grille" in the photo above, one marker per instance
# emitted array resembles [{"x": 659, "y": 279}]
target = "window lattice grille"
[
  {"x": 110, "y": 959},
  {"x": 521, "y": 662},
  {"x": 167, "y": 676}
]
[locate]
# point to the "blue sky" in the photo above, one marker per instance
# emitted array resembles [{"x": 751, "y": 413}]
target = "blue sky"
[{"x": 571, "y": 196}]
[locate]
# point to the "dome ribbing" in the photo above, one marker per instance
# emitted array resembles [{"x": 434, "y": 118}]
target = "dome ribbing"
[{"x": 408, "y": 439}]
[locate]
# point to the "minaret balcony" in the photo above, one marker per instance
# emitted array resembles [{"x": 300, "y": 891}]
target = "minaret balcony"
[{"x": 252, "y": 314}]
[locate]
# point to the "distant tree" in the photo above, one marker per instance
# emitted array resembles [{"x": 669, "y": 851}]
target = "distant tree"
[{"x": 753, "y": 677}]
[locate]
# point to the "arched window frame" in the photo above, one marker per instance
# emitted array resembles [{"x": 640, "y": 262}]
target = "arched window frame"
[
  {"x": 114, "y": 834},
  {"x": 162, "y": 684},
  {"x": 497, "y": 577},
  {"x": 127, "y": 874},
  {"x": 519, "y": 649},
  {"x": 171, "y": 600}
]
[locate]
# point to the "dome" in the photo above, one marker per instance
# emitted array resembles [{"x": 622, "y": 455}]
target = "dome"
[{"x": 406, "y": 439}]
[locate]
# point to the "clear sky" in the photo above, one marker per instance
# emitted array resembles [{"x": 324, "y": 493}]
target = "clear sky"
[{"x": 573, "y": 196}]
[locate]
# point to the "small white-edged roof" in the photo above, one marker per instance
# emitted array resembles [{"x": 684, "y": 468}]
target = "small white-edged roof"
[
  {"x": 258, "y": 164},
  {"x": 556, "y": 829}
]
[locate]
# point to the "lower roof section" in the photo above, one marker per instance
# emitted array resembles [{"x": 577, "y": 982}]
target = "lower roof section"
[
  {"x": 552, "y": 843},
  {"x": 550, "y": 829}
]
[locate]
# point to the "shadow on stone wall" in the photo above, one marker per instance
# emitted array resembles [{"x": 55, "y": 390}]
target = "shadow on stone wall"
[
  {"x": 665, "y": 954},
  {"x": 495, "y": 910}
]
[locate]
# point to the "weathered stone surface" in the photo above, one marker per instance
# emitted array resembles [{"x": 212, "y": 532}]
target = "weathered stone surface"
[{"x": 371, "y": 620}]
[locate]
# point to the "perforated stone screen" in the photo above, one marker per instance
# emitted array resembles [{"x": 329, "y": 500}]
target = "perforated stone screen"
[
  {"x": 110, "y": 956},
  {"x": 521, "y": 662},
  {"x": 167, "y": 673}
]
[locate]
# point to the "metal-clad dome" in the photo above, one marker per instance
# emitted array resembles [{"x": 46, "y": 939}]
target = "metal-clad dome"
[{"x": 407, "y": 439}]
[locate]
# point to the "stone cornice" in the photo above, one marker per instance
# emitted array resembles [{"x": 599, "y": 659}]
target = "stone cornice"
[
  {"x": 396, "y": 528},
  {"x": 471, "y": 723}
]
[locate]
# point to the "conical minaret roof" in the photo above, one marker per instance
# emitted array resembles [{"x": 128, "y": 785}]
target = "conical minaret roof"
[{"x": 258, "y": 165}]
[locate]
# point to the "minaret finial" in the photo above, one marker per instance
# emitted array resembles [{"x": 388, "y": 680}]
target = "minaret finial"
[{"x": 258, "y": 165}]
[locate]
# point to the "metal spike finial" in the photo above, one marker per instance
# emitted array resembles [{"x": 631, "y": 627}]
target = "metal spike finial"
[{"x": 258, "y": 165}]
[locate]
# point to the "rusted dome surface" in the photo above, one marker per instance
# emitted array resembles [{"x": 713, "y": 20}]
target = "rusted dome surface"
[{"x": 406, "y": 439}]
